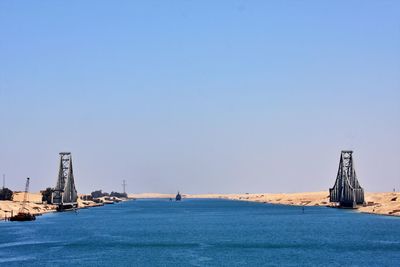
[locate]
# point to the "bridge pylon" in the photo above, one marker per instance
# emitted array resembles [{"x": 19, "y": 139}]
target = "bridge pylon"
[
  {"x": 65, "y": 194},
  {"x": 347, "y": 191}
]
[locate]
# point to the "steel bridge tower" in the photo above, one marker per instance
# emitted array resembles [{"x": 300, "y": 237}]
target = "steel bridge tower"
[
  {"x": 65, "y": 194},
  {"x": 347, "y": 191}
]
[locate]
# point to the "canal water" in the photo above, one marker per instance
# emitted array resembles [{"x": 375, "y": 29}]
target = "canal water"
[{"x": 202, "y": 233}]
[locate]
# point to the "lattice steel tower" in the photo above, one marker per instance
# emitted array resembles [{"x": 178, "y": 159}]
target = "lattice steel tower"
[
  {"x": 65, "y": 194},
  {"x": 347, "y": 191}
]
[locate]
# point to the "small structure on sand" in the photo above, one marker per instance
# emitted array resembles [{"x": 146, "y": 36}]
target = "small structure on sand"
[{"x": 346, "y": 192}]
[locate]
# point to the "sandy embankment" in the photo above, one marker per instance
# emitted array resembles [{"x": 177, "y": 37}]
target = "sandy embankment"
[
  {"x": 34, "y": 205},
  {"x": 376, "y": 203},
  {"x": 382, "y": 203}
]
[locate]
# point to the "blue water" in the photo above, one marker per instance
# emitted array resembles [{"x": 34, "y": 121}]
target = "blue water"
[{"x": 202, "y": 233}]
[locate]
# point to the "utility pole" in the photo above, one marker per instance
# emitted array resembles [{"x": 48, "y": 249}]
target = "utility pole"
[
  {"x": 124, "y": 184},
  {"x": 4, "y": 181}
]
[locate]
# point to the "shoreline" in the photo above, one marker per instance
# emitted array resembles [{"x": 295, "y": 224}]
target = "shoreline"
[
  {"x": 387, "y": 203},
  {"x": 35, "y": 206}
]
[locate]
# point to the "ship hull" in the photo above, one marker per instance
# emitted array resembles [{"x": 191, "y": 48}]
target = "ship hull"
[
  {"x": 66, "y": 207},
  {"x": 23, "y": 217}
]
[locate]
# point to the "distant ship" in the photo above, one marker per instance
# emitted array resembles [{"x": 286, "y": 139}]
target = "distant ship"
[{"x": 178, "y": 197}]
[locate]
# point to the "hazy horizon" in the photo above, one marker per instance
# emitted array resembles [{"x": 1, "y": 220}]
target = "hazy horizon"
[{"x": 201, "y": 97}]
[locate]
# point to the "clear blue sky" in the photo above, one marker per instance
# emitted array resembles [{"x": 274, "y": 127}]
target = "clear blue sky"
[{"x": 200, "y": 96}]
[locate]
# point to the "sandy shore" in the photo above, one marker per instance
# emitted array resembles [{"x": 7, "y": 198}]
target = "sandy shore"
[
  {"x": 376, "y": 203},
  {"x": 34, "y": 205}
]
